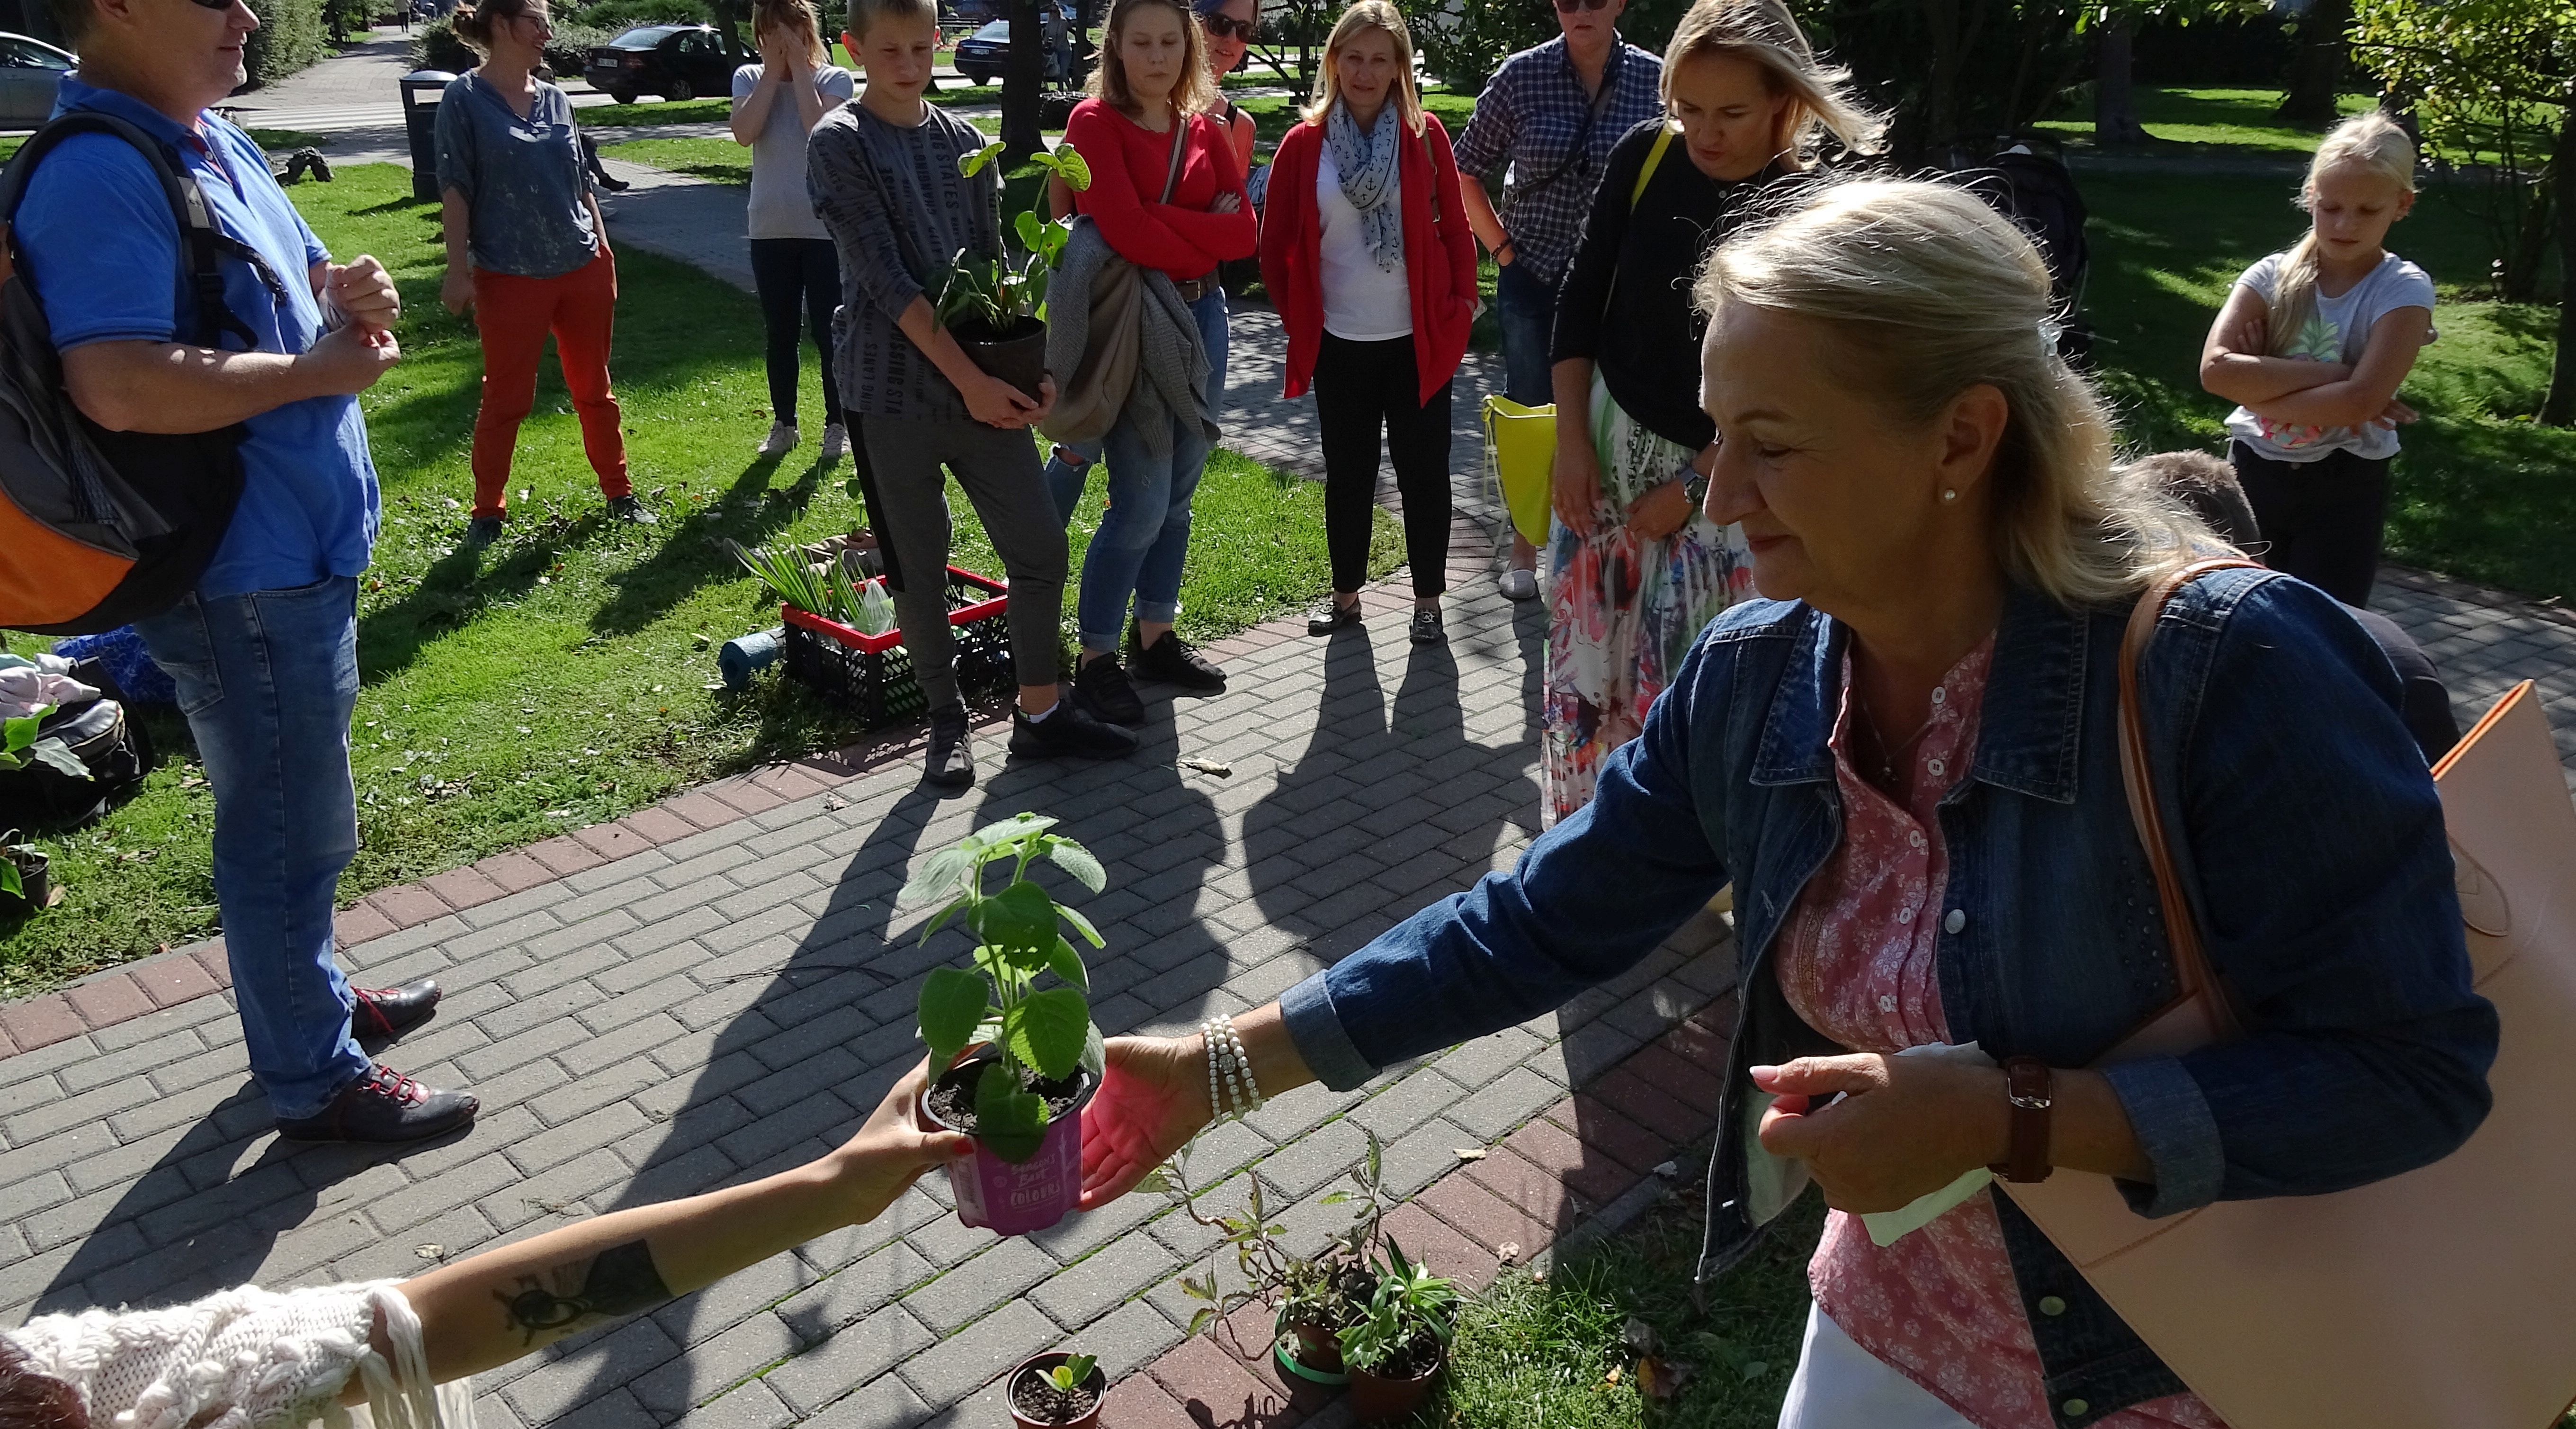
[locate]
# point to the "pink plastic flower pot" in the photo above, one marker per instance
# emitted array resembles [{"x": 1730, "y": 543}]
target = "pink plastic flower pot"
[{"x": 1016, "y": 1199}]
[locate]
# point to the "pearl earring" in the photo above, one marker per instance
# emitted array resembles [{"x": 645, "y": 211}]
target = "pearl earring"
[{"x": 1949, "y": 493}]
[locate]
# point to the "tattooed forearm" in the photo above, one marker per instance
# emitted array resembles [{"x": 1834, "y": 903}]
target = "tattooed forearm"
[{"x": 618, "y": 1281}]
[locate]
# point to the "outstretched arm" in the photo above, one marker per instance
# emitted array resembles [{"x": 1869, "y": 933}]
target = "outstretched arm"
[{"x": 1154, "y": 1098}]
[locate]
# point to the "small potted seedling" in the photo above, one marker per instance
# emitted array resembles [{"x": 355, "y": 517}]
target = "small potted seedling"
[
  {"x": 1399, "y": 1343},
  {"x": 996, "y": 307},
  {"x": 25, "y": 873},
  {"x": 1019, "y": 1060},
  {"x": 1312, "y": 1298},
  {"x": 1056, "y": 1390}
]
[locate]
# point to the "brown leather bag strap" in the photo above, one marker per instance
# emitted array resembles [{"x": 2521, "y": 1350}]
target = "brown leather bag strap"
[{"x": 2192, "y": 973}]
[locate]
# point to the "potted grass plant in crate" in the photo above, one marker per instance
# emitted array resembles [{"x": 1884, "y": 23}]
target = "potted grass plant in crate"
[
  {"x": 1017, "y": 1059},
  {"x": 996, "y": 306},
  {"x": 841, "y": 639}
]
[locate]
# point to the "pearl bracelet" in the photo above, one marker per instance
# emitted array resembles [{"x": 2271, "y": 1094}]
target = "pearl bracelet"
[{"x": 1231, "y": 1089}]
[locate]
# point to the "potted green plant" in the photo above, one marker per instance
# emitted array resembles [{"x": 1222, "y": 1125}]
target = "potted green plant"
[
  {"x": 1018, "y": 1060},
  {"x": 1397, "y": 1346},
  {"x": 1312, "y": 1298},
  {"x": 1057, "y": 1390},
  {"x": 25, "y": 873},
  {"x": 996, "y": 306}
]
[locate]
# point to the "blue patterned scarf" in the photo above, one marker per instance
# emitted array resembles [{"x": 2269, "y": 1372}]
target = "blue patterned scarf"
[{"x": 1366, "y": 161}]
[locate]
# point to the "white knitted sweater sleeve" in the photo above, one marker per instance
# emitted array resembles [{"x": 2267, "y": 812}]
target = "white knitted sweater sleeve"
[{"x": 243, "y": 1359}]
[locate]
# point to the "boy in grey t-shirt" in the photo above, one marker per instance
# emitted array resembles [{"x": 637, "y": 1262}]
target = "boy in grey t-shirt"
[{"x": 884, "y": 177}]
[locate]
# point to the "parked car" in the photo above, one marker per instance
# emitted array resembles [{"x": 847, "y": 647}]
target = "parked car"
[
  {"x": 983, "y": 55},
  {"x": 30, "y": 72},
  {"x": 673, "y": 61}
]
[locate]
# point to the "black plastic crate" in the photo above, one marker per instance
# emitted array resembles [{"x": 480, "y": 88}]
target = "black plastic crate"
[{"x": 870, "y": 676}]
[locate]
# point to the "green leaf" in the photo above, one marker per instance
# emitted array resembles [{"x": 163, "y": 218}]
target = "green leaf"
[
  {"x": 953, "y": 1001},
  {"x": 969, "y": 165},
  {"x": 1067, "y": 964},
  {"x": 1078, "y": 1368},
  {"x": 1020, "y": 920},
  {"x": 1081, "y": 925},
  {"x": 58, "y": 756},
  {"x": 9, "y": 882},
  {"x": 1199, "y": 1321},
  {"x": 1337, "y": 1198},
  {"x": 1073, "y": 858},
  {"x": 942, "y": 877},
  {"x": 1049, "y": 1031},
  {"x": 21, "y": 731},
  {"x": 1009, "y": 1121},
  {"x": 1030, "y": 229},
  {"x": 1072, "y": 167}
]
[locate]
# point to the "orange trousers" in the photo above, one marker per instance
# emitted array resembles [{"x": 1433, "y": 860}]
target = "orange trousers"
[{"x": 514, "y": 314}]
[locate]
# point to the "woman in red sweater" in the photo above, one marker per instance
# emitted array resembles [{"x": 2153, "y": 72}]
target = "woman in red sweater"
[
  {"x": 1151, "y": 93},
  {"x": 1367, "y": 254}
]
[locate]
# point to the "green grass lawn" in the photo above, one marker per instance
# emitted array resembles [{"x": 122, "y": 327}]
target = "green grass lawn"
[
  {"x": 275, "y": 141},
  {"x": 559, "y": 680},
  {"x": 2237, "y": 120}
]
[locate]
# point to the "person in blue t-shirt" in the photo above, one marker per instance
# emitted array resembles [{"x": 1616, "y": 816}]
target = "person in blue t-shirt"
[{"x": 264, "y": 650}]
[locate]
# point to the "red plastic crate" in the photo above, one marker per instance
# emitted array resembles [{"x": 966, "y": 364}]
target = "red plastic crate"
[{"x": 871, "y": 676}]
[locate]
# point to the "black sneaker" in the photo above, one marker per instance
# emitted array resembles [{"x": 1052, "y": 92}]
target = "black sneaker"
[
  {"x": 1101, "y": 689},
  {"x": 631, "y": 509},
  {"x": 381, "y": 1014},
  {"x": 1172, "y": 661},
  {"x": 384, "y": 1105},
  {"x": 951, "y": 761},
  {"x": 1426, "y": 628},
  {"x": 1332, "y": 615},
  {"x": 481, "y": 532},
  {"x": 1068, "y": 733}
]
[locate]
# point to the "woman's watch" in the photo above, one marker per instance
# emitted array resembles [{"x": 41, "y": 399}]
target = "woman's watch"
[{"x": 2029, "y": 1087}]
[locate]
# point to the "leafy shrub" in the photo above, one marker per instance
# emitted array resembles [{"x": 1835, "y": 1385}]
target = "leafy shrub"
[
  {"x": 291, "y": 35},
  {"x": 567, "y": 50},
  {"x": 615, "y": 15}
]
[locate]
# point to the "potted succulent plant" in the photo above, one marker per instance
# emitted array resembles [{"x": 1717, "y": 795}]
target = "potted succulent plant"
[
  {"x": 996, "y": 307},
  {"x": 1312, "y": 1298},
  {"x": 1057, "y": 1390},
  {"x": 1396, "y": 1348},
  {"x": 1019, "y": 1060}
]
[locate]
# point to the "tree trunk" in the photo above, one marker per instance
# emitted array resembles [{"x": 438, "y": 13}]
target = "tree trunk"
[
  {"x": 2115, "y": 93},
  {"x": 1023, "y": 78},
  {"x": 1941, "y": 84},
  {"x": 2559, "y": 408},
  {"x": 2316, "y": 66}
]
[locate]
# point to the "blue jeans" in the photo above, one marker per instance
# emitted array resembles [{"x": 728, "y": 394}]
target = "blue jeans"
[
  {"x": 268, "y": 681},
  {"x": 1525, "y": 306},
  {"x": 1145, "y": 535},
  {"x": 1064, "y": 479}
]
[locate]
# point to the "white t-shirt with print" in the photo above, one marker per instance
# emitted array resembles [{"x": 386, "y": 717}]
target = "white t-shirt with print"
[{"x": 2336, "y": 331}]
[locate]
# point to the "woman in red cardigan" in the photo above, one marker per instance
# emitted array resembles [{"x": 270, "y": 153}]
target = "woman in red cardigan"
[{"x": 1367, "y": 254}]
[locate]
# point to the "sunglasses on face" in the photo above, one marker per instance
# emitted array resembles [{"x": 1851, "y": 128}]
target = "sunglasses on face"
[
  {"x": 543, "y": 24},
  {"x": 1220, "y": 25},
  {"x": 1570, "y": 6}
]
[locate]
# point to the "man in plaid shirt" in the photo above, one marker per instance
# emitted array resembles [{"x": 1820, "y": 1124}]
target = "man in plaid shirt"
[{"x": 1552, "y": 113}]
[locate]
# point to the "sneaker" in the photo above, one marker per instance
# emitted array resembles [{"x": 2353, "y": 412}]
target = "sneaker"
[
  {"x": 781, "y": 439},
  {"x": 481, "y": 532},
  {"x": 384, "y": 1105},
  {"x": 1068, "y": 733},
  {"x": 1519, "y": 584},
  {"x": 381, "y": 1014},
  {"x": 1426, "y": 628},
  {"x": 1102, "y": 690},
  {"x": 950, "y": 764},
  {"x": 836, "y": 443},
  {"x": 1332, "y": 615},
  {"x": 631, "y": 509},
  {"x": 1173, "y": 661}
]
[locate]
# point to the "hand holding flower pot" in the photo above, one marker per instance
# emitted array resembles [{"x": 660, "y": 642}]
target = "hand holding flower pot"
[{"x": 1020, "y": 1059}]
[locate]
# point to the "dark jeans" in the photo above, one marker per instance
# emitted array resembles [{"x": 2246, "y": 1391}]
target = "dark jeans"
[
  {"x": 1361, "y": 389},
  {"x": 791, "y": 273},
  {"x": 2321, "y": 520},
  {"x": 1525, "y": 307}
]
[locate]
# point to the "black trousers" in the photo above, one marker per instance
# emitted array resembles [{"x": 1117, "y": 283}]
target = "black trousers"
[
  {"x": 789, "y": 274},
  {"x": 2322, "y": 520},
  {"x": 1363, "y": 389}
]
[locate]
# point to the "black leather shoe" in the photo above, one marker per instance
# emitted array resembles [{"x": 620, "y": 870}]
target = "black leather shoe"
[
  {"x": 1068, "y": 733},
  {"x": 1103, "y": 690},
  {"x": 1332, "y": 615},
  {"x": 382, "y": 1014},
  {"x": 1426, "y": 628},
  {"x": 950, "y": 763},
  {"x": 1172, "y": 661},
  {"x": 384, "y": 1105}
]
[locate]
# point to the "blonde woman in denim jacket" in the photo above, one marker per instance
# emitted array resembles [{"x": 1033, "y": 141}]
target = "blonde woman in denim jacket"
[{"x": 1905, "y": 759}]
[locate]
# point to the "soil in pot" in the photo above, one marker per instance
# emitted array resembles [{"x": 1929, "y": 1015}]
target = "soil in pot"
[
  {"x": 952, "y": 1097},
  {"x": 1017, "y": 354},
  {"x": 1035, "y": 1402}
]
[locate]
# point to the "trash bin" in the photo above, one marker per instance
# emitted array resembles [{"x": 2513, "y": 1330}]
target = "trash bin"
[{"x": 421, "y": 90}]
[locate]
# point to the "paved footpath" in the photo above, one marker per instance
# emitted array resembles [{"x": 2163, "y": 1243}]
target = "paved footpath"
[{"x": 719, "y": 987}]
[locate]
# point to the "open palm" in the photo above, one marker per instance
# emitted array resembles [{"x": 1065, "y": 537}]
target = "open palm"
[{"x": 1152, "y": 1100}]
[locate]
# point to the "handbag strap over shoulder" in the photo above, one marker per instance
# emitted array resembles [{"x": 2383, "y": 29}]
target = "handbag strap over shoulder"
[
  {"x": 2192, "y": 973},
  {"x": 1180, "y": 146}
]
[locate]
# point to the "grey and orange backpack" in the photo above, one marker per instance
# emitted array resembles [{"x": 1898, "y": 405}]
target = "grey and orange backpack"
[{"x": 100, "y": 528}]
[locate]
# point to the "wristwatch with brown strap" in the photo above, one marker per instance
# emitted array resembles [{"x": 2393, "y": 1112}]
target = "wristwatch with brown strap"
[{"x": 2029, "y": 1085}]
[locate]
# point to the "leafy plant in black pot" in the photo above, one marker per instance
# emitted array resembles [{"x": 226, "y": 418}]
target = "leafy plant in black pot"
[
  {"x": 1398, "y": 1344},
  {"x": 1019, "y": 1059},
  {"x": 996, "y": 306},
  {"x": 1313, "y": 1298}
]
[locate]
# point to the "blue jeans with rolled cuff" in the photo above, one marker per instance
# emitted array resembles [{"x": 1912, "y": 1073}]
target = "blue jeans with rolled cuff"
[
  {"x": 1064, "y": 479},
  {"x": 1144, "y": 536}
]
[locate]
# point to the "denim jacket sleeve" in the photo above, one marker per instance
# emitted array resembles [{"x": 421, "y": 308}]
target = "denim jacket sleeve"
[
  {"x": 1589, "y": 900},
  {"x": 2313, "y": 840}
]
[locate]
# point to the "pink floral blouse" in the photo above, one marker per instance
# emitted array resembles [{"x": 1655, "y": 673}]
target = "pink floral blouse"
[{"x": 1857, "y": 962}]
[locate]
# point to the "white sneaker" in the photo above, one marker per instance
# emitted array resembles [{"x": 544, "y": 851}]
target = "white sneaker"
[
  {"x": 781, "y": 439},
  {"x": 1520, "y": 584},
  {"x": 836, "y": 443}
]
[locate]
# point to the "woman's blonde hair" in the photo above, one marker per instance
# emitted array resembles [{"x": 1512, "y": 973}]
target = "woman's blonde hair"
[
  {"x": 1929, "y": 292},
  {"x": 2370, "y": 141},
  {"x": 1364, "y": 16},
  {"x": 796, "y": 16},
  {"x": 474, "y": 23},
  {"x": 1193, "y": 93},
  {"x": 1820, "y": 95}
]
